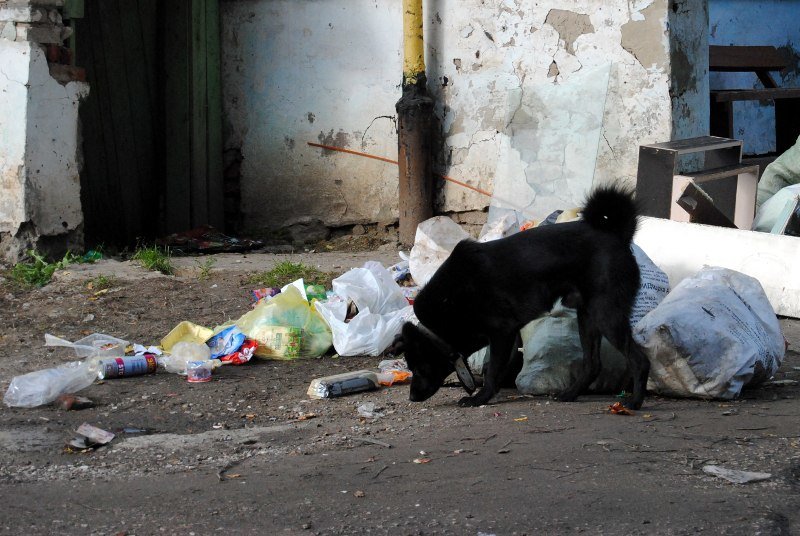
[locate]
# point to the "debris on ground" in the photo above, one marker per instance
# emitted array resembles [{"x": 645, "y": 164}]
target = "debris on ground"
[{"x": 734, "y": 475}]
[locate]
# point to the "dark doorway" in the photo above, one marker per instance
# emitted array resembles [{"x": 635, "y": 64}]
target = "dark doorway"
[{"x": 151, "y": 125}]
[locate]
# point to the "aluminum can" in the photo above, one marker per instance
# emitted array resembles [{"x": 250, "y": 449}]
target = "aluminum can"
[{"x": 118, "y": 367}]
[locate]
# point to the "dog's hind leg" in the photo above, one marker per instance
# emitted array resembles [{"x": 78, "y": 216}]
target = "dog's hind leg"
[
  {"x": 638, "y": 363},
  {"x": 591, "y": 366},
  {"x": 502, "y": 350}
]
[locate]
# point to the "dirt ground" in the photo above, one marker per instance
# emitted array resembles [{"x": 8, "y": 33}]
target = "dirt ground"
[{"x": 250, "y": 453}]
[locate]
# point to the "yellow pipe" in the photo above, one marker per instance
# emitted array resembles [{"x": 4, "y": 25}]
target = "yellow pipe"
[{"x": 413, "y": 43}]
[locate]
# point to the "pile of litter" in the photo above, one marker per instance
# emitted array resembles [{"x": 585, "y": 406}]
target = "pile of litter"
[{"x": 360, "y": 316}]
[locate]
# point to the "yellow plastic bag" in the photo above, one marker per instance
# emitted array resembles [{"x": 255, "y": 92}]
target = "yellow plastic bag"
[{"x": 286, "y": 327}]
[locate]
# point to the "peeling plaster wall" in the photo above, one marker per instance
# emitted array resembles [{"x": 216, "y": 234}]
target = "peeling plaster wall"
[
  {"x": 40, "y": 188},
  {"x": 740, "y": 22},
  {"x": 14, "y": 64},
  {"x": 297, "y": 71},
  {"x": 324, "y": 72}
]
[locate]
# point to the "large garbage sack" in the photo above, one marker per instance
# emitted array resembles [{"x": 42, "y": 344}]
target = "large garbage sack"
[
  {"x": 782, "y": 172},
  {"x": 434, "y": 241},
  {"x": 769, "y": 212},
  {"x": 713, "y": 335},
  {"x": 285, "y": 327},
  {"x": 552, "y": 353},
  {"x": 382, "y": 310}
]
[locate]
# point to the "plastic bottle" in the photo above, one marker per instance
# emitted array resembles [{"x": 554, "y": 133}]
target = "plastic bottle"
[
  {"x": 44, "y": 386},
  {"x": 182, "y": 353}
]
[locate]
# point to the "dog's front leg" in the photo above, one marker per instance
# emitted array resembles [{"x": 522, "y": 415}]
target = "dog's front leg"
[{"x": 501, "y": 350}]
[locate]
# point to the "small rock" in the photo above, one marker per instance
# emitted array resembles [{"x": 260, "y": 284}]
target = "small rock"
[{"x": 358, "y": 230}]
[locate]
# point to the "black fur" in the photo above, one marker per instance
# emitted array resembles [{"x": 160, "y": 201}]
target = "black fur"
[{"x": 484, "y": 293}]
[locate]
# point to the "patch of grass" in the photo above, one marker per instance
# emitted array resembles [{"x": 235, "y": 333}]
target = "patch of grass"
[
  {"x": 204, "y": 268},
  {"x": 37, "y": 272},
  {"x": 155, "y": 258},
  {"x": 101, "y": 282},
  {"x": 285, "y": 272}
]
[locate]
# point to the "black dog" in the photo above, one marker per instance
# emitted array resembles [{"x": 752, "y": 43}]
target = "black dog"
[{"x": 484, "y": 293}]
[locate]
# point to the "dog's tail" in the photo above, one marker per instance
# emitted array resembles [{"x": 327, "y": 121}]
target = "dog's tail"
[{"x": 612, "y": 208}]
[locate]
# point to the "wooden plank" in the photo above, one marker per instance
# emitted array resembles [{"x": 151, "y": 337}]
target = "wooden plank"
[
  {"x": 177, "y": 160},
  {"x": 744, "y": 58},
  {"x": 722, "y": 172},
  {"x": 122, "y": 119},
  {"x": 199, "y": 115},
  {"x": 108, "y": 184},
  {"x": 93, "y": 173},
  {"x": 216, "y": 194},
  {"x": 695, "y": 145},
  {"x": 141, "y": 110},
  {"x": 701, "y": 207},
  {"x": 728, "y": 95}
]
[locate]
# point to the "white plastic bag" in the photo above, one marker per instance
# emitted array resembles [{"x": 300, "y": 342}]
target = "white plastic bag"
[
  {"x": 434, "y": 241},
  {"x": 382, "y": 310},
  {"x": 44, "y": 386},
  {"x": 714, "y": 334}
]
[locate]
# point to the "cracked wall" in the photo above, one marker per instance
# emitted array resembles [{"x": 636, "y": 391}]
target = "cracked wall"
[
  {"x": 40, "y": 203},
  {"x": 330, "y": 72}
]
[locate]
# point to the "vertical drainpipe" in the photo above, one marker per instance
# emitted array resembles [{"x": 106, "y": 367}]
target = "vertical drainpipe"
[{"x": 414, "y": 123}]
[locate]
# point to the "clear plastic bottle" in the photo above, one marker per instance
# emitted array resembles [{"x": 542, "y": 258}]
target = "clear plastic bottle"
[
  {"x": 181, "y": 353},
  {"x": 44, "y": 386}
]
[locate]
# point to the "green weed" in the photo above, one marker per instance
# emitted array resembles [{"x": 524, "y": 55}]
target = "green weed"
[
  {"x": 101, "y": 282},
  {"x": 155, "y": 258},
  {"x": 285, "y": 272},
  {"x": 37, "y": 272},
  {"x": 204, "y": 269}
]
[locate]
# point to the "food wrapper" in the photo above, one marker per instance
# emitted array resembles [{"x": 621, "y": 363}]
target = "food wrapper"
[
  {"x": 225, "y": 342},
  {"x": 242, "y": 355}
]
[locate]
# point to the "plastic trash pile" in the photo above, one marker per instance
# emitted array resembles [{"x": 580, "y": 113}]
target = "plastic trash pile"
[{"x": 360, "y": 316}]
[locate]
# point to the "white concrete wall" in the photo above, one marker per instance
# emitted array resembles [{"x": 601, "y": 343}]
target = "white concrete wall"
[
  {"x": 14, "y": 68},
  {"x": 742, "y": 22},
  {"x": 297, "y": 71},
  {"x": 39, "y": 177}
]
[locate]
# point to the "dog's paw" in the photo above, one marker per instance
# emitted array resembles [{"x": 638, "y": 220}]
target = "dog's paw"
[
  {"x": 633, "y": 404},
  {"x": 470, "y": 402},
  {"x": 566, "y": 396}
]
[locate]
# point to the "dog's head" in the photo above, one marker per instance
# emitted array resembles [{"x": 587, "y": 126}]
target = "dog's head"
[{"x": 428, "y": 364}]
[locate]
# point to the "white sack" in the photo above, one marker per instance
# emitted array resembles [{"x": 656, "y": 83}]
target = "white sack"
[
  {"x": 714, "y": 334},
  {"x": 382, "y": 310},
  {"x": 435, "y": 239}
]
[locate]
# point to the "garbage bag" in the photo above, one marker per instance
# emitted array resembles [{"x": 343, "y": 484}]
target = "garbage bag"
[
  {"x": 713, "y": 335},
  {"x": 285, "y": 326},
  {"x": 434, "y": 240},
  {"x": 769, "y": 212},
  {"x": 782, "y": 172},
  {"x": 382, "y": 310}
]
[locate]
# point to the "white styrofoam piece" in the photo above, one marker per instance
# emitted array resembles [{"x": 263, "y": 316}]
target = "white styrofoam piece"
[{"x": 681, "y": 249}]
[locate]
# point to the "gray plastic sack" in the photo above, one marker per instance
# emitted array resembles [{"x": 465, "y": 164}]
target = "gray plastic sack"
[{"x": 713, "y": 335}]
